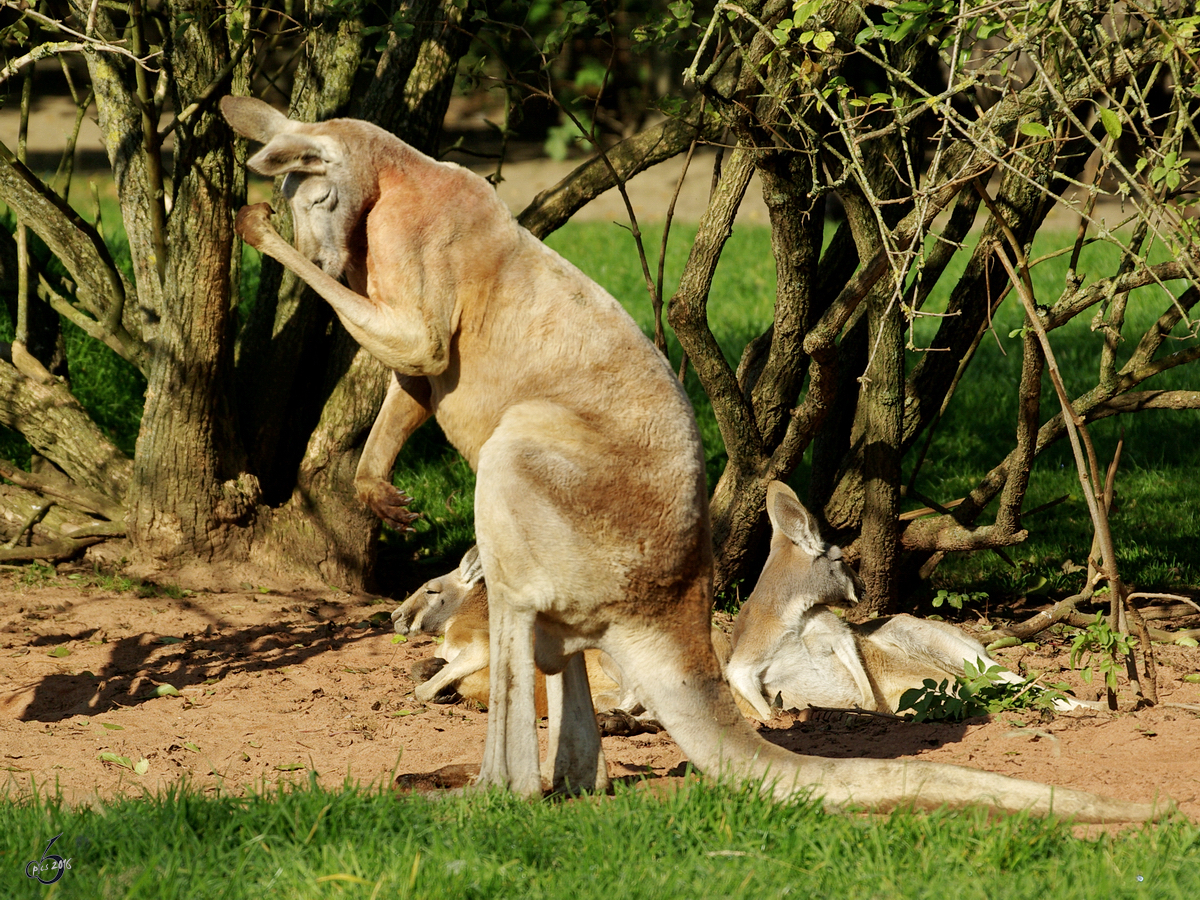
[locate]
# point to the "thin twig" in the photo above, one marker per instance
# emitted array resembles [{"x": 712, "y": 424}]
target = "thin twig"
[{"x": 1075, "y": 426}]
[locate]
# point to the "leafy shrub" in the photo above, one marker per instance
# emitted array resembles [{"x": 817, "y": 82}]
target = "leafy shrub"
[{"x": 978, "y": 692}]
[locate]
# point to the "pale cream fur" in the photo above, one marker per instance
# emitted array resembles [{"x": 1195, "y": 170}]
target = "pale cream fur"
[
  {"x": 591, "y": 510},
  {"x": 790, "y": 648}
]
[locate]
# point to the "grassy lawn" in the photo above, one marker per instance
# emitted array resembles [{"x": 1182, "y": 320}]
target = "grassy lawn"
[{"x": 702, "y": 841}]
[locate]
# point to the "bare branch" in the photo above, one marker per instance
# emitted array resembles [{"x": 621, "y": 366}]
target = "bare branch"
[{"x": 553, "y": 206}]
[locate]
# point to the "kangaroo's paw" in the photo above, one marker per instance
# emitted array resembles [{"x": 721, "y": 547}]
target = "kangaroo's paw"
[
  {"x": 390, "y": 505},
  {"x": 424, "y": 669},
  {"x": 619, "y": 723},
  {"x": 253, "y": 222}
]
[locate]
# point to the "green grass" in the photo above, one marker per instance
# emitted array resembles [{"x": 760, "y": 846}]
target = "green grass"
[{"x": 702, "y": 841}]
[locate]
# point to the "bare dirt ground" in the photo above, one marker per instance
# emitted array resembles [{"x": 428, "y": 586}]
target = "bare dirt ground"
[{"x": 273, "y": 687}]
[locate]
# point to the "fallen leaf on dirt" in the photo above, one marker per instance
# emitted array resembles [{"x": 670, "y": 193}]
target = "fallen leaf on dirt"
[
  {"x": 142, "y": 766},
  {"x": 123, "y": 761},
  {"x": 60, "y": 652},
  {"x": 166, "y": 690},
  {"x": 111, "y": 727},
  {"x": 289, "y": 767},
  {"x": 167, "y": 639},
  {"x": 188, "y": 745}
]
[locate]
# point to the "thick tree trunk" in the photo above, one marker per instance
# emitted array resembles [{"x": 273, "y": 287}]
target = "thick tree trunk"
[
  {"x": 881, "y": 405},
  {"x": 178, "y": 505}
]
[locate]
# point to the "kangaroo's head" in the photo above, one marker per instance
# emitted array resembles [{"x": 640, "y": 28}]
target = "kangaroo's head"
[
  {"x": 802, "y": 571},
  {"x": 430, "y": 607},
  {"x": 329, "y": 188}
]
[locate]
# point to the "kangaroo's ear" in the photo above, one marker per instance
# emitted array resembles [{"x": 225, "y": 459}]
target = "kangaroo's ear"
[
  {"x": 292, "y": 152},
  {"x": 254, "y": 119},
  {"x": 470, "y": 570},
  {"x": 789, "y": 517}
]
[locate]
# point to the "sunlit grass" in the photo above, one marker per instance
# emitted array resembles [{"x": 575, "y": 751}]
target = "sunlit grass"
[{"x": 701, "y": 841}]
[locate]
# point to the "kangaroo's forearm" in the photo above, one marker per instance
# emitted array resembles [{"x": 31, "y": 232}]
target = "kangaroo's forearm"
[{"x": 411, "y": 347}]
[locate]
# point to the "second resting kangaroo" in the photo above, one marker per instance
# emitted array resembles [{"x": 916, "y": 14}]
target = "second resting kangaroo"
[
  {"x": 789, "y": 645},
  {"x": 456, "y": 605}
]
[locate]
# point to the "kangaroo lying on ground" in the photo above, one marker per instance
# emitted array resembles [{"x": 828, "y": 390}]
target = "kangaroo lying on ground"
[
  {"x": 789, "y": 645},
  {"x": 455, "y": 605},
  {"x": 591, "y": 510}
]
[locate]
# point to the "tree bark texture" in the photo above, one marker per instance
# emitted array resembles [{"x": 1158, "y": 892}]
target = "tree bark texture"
[
  {"x": 57, "y": 427},
  {"x": 187, "y": 448}
]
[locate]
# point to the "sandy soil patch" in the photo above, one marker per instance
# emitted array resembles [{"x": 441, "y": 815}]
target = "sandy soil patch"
[{"x": 280, "y": 687}]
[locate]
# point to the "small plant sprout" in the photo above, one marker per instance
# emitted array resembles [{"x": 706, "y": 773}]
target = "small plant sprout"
[{"x": 1098, "y": 646}]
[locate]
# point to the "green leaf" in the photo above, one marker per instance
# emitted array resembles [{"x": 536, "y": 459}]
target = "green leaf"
[
  {"x": 1187, "y": 642},
  {"x": 167, "y": 639},
  {"x": 111, "y": 727},
  {"x": 801, "y": 12},
  {"x": 399, "y": 639},
  {"x": 189, "y": 745},
  {"x": 123, "y": 761},
  {"x": 165, "y": 690},
  {"x": 1193, "y": 678},
  {"x": 1111, "y": 122},
  {"x": 289, "y": 767},
  {"x": 142, "y": 766},
  {"x": 60, "y": 651},
  {"x": 1034, "y": 129}
]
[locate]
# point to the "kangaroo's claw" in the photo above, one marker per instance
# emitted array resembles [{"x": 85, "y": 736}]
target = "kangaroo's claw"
[{"x": 391, "y": 506}]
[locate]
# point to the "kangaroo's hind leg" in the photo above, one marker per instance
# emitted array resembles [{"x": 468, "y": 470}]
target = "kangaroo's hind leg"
[
  {"x": 575, "y": 753},
  {"x": 510, "y": 755}
]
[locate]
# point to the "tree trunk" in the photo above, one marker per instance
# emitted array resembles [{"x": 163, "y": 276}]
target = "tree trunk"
[
  {"x": 186, "y": 449},
  {"x": 881, "y": 405}
]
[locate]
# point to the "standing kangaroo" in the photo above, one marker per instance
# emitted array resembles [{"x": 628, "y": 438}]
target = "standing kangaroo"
[
  {"x": 590, "y": 500},
  {"x": 789, "y": 644}
]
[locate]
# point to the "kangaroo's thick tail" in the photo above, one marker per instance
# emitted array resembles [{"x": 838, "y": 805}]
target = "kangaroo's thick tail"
[{"x": 683, "y": 687}]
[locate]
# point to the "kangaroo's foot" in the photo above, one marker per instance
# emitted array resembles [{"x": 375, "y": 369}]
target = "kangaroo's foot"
[
  {"x": 619, "y": 723},
  {"x": 422, "y": 672}
]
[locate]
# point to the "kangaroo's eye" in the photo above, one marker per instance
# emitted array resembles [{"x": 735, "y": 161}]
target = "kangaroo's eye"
[{"x": 328, "y": 198}]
